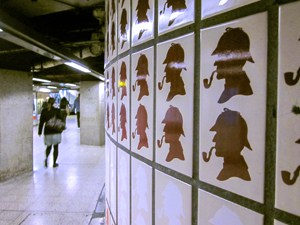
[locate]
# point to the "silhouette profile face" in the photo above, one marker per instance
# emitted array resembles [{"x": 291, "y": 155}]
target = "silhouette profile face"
[
  {"x": 231, "y": 134},
  {"x": 173, "y": 125}
]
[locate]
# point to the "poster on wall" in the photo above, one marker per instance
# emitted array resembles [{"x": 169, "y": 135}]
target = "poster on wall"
[
  {"x": 142, "y": 21},
  {"x": 111, "y": 33},
  {"x": 123, "y": 113},
  {"x": 141, "y": 197},
  {"x": 111, "y": 118},
  {"x": 142, "y": 103},
  {"x": 223, "y": 212},
  {"x": 174, "y": 14},
  {"x": 213, "y": 7},
  {"x": 233, "y": 71},
  {"x": 174, "y": 104},
  {"x": 123, "y": 187},
  {"x": 123, "y": 25},
  {"x": 288, "y": 123},
  {"x": 167, "y": 191}
]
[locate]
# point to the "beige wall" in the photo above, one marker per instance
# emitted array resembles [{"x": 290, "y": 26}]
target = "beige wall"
[
  {"x": 91, "y": 113},
  {"x": 16, "y": 107}
]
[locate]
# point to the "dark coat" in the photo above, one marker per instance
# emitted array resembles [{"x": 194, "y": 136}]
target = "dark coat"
[{"x": 46, "y": 116}]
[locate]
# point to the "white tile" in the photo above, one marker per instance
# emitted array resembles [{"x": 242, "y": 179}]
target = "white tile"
[
  {"x": 222, "y": 212},
  {"x": 142, "y": 21},
  {"x": 288, "y": 129},
  {"x": 213, "y": 7},
  {"x": 225, "y": 98},
  {"x": 123, "y": 112},
  {"x": 173, "y": 204},
  {"x": 142, "y": 103},
  {"x": 141, "y": 197},
  {"x": 123, "y": 187},
  {"x": 172, "y": 15},
  {"x": 123, "y": 25},
  {"x": 174, "y": 103}
]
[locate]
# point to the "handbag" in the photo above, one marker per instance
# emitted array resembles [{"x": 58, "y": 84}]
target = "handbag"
[{"x": 55, "y": 124}]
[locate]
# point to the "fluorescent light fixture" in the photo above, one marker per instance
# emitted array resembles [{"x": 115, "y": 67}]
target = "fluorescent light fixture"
[
  {"x": 71, "y": 85},
  {"x": 41, "y": 80},
  {"x": 76, "y": 66},
  {"x": 51, "y": 87}
]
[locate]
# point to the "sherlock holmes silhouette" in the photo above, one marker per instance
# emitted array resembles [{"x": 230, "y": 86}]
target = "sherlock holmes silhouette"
[
  {"x": 173, "y": 129},
  {"x": 141, "y": 75},
  {"x": 231, "y": 53},
  {"x": 142, "y": 18},
  {"x": 141, "y": 126},
  {"x": 123, "y": 31},
  {"x": 123, "y": 122},
  {"x": 174, "y": 64},
  {"x": 178, "y": 8},
  {"x": 123, "y": 78},
  {"x": 230, "y": 139}
]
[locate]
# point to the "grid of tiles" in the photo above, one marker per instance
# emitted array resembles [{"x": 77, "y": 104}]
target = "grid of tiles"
[{"x": 202, "y": 109}]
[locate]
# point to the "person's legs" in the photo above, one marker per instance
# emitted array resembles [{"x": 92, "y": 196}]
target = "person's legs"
[
  {"x": 48, "y": 150},
  {"x": 78, "y": 119},
  {"x": 55, "y": 155}
]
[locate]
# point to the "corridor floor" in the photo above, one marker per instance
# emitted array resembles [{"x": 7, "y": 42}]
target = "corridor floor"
[{"x": 66, "y": 195}]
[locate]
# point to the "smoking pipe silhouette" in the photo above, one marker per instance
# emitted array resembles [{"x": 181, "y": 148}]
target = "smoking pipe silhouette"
[{"x": 286, "y": 176}]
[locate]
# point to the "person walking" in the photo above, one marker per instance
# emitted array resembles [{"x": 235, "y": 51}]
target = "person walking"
[
  {"x": 51, "y": 137},
  {"x": 77, "y": 108},
  {"x": 64, "y": 103}
]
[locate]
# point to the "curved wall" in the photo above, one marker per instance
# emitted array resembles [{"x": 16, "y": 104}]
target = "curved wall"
[{"x": 192, "y": 91}]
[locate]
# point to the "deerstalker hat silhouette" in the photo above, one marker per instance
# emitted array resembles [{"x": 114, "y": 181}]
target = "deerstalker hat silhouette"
[
  {"x": 235, "y": 41},
  {"x": 142, "y": 65},
  {"x": 230, "y": 122},
  {"x": 174, "y": 121},
  {"x": 175, "y": 54}
]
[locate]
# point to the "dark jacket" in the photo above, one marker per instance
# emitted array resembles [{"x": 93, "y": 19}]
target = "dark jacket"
[{"x": 45, "y": 116}]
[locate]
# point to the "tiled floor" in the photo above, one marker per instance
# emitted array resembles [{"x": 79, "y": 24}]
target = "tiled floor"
[{"x": 66, "y": 195}]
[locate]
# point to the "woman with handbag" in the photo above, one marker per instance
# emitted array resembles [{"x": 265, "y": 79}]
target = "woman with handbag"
[{"x": 51, "y": 118}]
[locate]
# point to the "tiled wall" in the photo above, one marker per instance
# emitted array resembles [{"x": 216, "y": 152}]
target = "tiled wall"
[{"x": 202, "y": 112}]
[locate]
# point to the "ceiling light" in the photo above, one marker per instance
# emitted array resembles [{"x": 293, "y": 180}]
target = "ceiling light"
[
  {"x": 76, "y": 66},
  {"x": 71, "y": 85},
  {"x": 1, "y": 30},
  {"x": 41, "y": 80},
  {"x": 51, "y": 87}
]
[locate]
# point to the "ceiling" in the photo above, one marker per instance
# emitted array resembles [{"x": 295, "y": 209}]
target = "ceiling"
[{"x": 40, "y": 35}]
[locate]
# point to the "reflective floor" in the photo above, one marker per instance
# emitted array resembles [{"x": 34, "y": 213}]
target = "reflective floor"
[{"x": 66, "y": 195}]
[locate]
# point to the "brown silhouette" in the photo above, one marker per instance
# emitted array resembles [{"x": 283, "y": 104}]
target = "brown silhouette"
[
  {"x": 174, "y": 64},
  {"x": 232, "y": 53},
  {"x": 296, "y": 110},
  {"x": 142, "y": 8},
  {"x": 107, "y": 115},
  {"x": 141, "y": 125},
  {"x": 286, "y": 176},
  {"x": 123, "y": 24},
  {"x": 113, "y": 117},
  {"x": 113, "y": 34},
  {"x": 122, "y": 3},
  {"x": 289, "y": 78},
  {"x": 173, "y": 130},
  {"x": 178, "y": 7},
  {"x": 113, "y": 7},
  {"x": 123, "y": 122},
  {"x": 230, "y": 139},
  {"x": 142, "y": 73},
  {"x": 123, "y": 78},
  {"x": 113, "y": 83}
]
